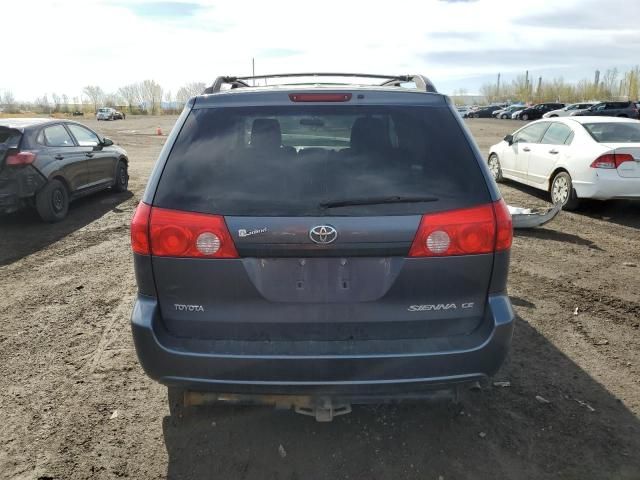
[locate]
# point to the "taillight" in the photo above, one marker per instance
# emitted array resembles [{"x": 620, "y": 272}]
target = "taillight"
[
  {"x": 504, "y": 226},
  {"x": 21, "y": 158},
  {"x": 174, "y": 233},
  {"x": 468, "y": 231},
  {"x": 140, "y": 229},
  {"x": 611, "y": 160},
  {"x": 320, "y": 97}
]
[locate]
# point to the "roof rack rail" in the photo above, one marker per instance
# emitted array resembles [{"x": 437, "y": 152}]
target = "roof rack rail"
[{"x": 422, "y": 82}]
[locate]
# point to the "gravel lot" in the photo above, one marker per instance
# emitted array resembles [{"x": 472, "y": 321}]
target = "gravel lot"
[{"x": 75, "y": 404}]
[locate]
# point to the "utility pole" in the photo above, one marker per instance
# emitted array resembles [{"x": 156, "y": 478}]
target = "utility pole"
[
  {"x": 526, "y": 85},
  {"x": 539, "y": 87},
  {"x": 498, "y": 87},
  {"x": 253, "y": 70}
]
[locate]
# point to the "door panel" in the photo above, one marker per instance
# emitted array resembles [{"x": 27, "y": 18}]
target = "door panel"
[
  {"x": 101, "y": 161},
  {"x": 547, "y": 153},
  {"x": 69, "y": 158},
  {"x": 541, "y": 163}
]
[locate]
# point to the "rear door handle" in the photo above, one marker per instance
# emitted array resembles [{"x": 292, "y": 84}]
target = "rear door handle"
[
  {"x": 89, "y": 154},
  {"x": 553, "y": 151},
  {"x": 526, "y": 149},
  {"x": 59, "y": 157}
]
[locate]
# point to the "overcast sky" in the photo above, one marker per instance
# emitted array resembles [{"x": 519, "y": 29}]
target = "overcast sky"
[{"x": 61, "y": 46}]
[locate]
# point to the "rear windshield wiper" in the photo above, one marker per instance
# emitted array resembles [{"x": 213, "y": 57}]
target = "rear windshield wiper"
[{"x": 376, "y": 201}]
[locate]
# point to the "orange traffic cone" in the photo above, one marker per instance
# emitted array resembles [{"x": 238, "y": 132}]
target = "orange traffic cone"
[{"x": 159, "y": 131}]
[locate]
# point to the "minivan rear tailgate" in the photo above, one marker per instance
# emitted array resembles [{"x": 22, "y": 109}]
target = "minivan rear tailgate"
[{"x": 306, "y": 298}]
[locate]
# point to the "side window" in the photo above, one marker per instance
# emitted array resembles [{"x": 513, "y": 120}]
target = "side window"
[
  {"x": 531, "y": 133},
  {"x": 57, "y": 136},
  {"x": 556, "y": 134},
  {"x": 569, "y": 139},
  {"x": 85, "y": 137},
  {"x": 600, "y": 107}
]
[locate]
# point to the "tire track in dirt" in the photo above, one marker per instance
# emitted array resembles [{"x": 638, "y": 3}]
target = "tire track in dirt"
[{"x": 570, "y": 296}]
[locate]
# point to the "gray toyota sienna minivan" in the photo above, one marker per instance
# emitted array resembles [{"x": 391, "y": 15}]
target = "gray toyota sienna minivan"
[{"x": 320, "y": 244}]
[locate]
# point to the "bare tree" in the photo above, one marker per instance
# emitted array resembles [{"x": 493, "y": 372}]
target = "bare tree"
[
  {"x": 151, "y": 95},
  {"x": 42, "y": 103},
  {"x": 609, "y": 83},
  {"x": 189, "y": 90},
  {"x": 65, "y": 103},
  {"x": 111, "y": 99},
  {"x": 131, "y": 95},
  {"x": 95, "y": 95},
  {"x": 56, "y": 102},
  {"x": 77, "y": 104},
  {"x": 8, "y": 101}
]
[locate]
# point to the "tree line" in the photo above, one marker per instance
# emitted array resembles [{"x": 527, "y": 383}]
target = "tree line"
[
  {"x": 612, "y": 85},
  {"x": 146, "y": 97}
]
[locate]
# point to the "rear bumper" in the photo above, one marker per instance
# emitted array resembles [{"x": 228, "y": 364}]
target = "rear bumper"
[
  {"x": 397, "y": 368},
  {"x": 17, "y": 185},
  {"x": 608, "y": 185}
]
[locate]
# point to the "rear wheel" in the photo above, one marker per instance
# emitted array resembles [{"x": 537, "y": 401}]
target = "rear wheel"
[
  {"x": 52, "y": 202},
  {"x": 121, "y": 182},
  {"x": 494, "y": 167},
  {"x": 525, "y": 117},
  {"x": 563, "y": 193}
]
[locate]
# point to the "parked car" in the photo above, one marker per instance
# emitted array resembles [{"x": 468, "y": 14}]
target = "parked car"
[
  {"x": 516, "y": 114},
  {"x": 472, "y": 109},
  {"x": 286, "y": 245},
  {"x": 573, "y": 158},
  {"x": 571, "y": 109},
  {"x": 108, "y": 113},
  {"x": 611, "y": 109},
  {"x": 485, "y": 112},
  {"x": 506, "y": 113},
  {"x": 463, "y": 111},
  {"x": 535, "y": 112},
  {"x": 46, "y": 163}
]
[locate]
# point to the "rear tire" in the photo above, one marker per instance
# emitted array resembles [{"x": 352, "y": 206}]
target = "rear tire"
[
  {"x": 494, "y": 167},
  {"x": 563, "y": 193},
  {"x": 525, "y": 117},
  {"x": 52, "y": 202},
  {"x": 121, "y": 181}
]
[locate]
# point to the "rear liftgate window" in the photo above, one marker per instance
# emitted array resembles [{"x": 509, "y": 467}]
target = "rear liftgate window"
[{"x": 305, "y": 160}]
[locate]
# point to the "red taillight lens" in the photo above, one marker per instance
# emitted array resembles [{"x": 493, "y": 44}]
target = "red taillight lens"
[
  {"x": 611, "y": 160},
  {"x": 504, "y": 226},
  {"x": 21, "y": 158},
  {"x": 469, "y": 231},
  {"x": 140, "y": 229},
  {"x": 320, "y": 97},
  {"x": 174, "y": 233}
]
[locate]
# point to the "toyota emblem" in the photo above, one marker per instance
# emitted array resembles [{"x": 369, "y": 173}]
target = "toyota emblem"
[{"x": 323, "y": 234}]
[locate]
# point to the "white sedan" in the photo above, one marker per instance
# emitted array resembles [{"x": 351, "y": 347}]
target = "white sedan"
[
  {"x": 573, "y": 158},
  {"x": 569, "y": 110}
]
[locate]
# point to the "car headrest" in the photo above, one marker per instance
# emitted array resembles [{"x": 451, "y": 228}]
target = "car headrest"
[
  {"x": 369, "y": 134},
  {"x": 265, "y": 133}
]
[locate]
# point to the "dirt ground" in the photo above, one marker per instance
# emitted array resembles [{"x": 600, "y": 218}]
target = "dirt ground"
[{"x": 75, "y": 404}]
